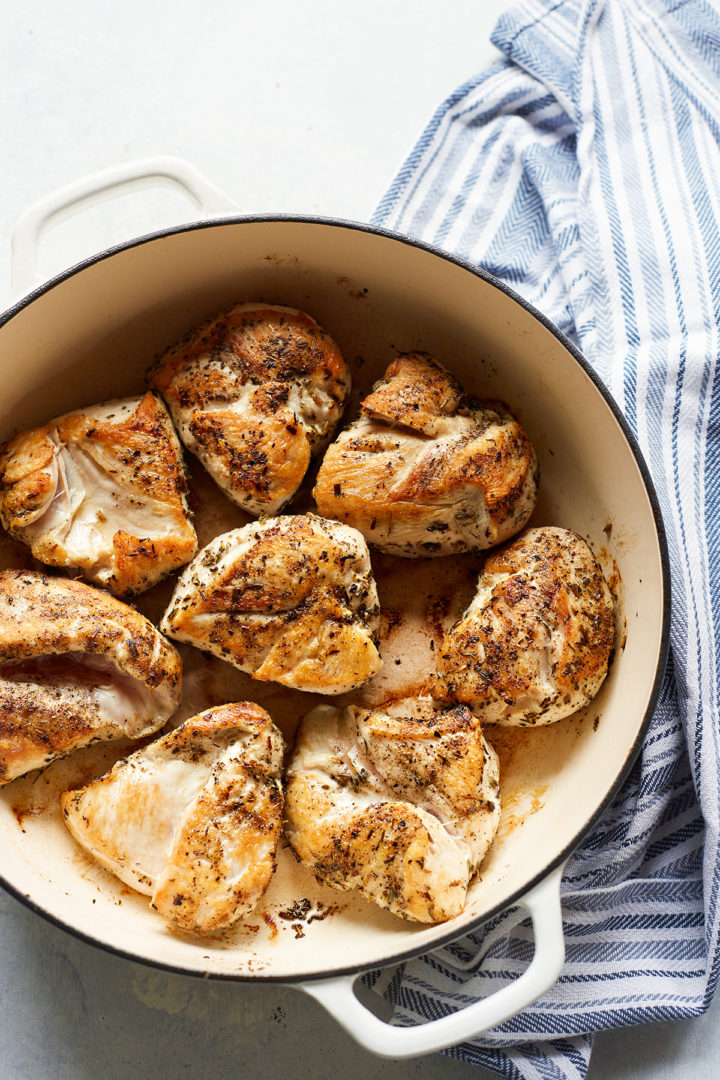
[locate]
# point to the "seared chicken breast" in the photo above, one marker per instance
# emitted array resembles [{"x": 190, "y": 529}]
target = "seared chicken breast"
[
  {"x": 289, "y": 599},
  {"x": 76, "y": 666},
  {"x": 193, "y": 819},
  {"x": 254, "y": 392},
  {"x": 426, "y": 470},
  {"x": 404, "y": 810},
  {"x": 101, "y": 490},
  {"x": 535, "y": 644}
]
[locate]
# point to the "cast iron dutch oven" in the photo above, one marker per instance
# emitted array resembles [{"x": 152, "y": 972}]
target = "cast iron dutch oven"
[{"x": 90, "y": 333}]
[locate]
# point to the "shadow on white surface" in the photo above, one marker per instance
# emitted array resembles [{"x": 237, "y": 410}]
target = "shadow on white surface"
[{"x": 72, "y": 1012}]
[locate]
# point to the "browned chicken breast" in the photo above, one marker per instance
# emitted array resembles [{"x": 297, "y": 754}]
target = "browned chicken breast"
[
  {"x": 289, "y": 599},
  {"x": 101, "y": 490},
  {"x": 535, "y": 644},
  {"x": 404, "y": 810},
  {"x": 76, "y": 666},
  {"x": 254, "y": 393},
  {"x": 192, "y": 820},
  {"x": 426, "y": 470}
]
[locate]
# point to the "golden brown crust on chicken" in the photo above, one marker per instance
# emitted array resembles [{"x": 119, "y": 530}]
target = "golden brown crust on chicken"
[
  {"x": 101, "y": 490},
  {"x": 404, "y": 810},
  {"x": 289, "y": 599},
  {"x": 427, "y": 471},
  {"x": 254, "y": 392},
  {"x": 193, "y": 819},
  {"x": 535, "y": 644},
  {"x": 414, "y": 392},
  {"x": 76, "y": 666}
]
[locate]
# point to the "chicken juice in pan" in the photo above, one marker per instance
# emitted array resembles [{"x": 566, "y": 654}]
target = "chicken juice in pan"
[{"x": 420, "y": 600}]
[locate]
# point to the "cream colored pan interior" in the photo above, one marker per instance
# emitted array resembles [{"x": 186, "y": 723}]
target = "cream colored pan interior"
[{"x": 91, "y": 335}]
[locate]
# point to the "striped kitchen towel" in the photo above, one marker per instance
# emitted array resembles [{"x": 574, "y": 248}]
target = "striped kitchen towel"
[{"x": 584, "y": 170}]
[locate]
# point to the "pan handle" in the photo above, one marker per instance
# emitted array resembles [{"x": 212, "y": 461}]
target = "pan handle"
[
  {"x": 101, "y": 185},
  {"x": 337, "y": 995}
]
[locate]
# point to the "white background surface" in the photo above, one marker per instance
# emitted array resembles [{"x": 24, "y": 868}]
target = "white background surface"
[{"x": 291, "y": 107}]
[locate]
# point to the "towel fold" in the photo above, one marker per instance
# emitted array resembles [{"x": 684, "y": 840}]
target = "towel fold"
[{"x": 584, "y": 170}]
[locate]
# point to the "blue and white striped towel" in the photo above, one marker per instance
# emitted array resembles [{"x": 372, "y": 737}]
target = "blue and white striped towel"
[{"x": 584, "y": 170}]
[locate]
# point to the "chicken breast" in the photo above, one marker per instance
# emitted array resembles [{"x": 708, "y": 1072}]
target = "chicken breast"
[
  {"x": 404, "y": 810},
  {"x": 535, "y": 644},
  {"x": 101, "y": 490},
  {"x": 254, "y": 392},
  {"x": 76, "y": 666},
  {"x": 192, "y": 820},
  {"x": 426, "y": 470},
  {"x": 289, "y": 599}
]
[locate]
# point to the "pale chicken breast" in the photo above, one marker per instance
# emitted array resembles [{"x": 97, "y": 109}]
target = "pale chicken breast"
[
  {"x": 403, "y": 809},
  {"x": 289, "y": 599},
  {"x": 255, "y": 392},
  {"x": 193, "y": 819},
  {"x": 101, "y": 490},
  {"x": 426, "y": 470},
  {"x": 76, "y": 666},
  {"x": 535, "y": 644}
]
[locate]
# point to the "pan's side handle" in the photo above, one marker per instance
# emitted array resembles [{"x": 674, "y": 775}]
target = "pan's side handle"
[
  {"x": 101, "y": 185},
  {"x": 337, "y": 995}
]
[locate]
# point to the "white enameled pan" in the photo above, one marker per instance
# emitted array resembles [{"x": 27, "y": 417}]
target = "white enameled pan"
[{"x": 90, "y": 333}]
